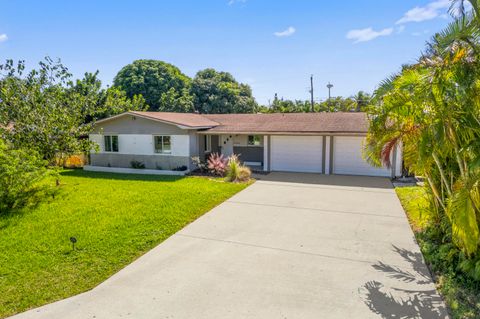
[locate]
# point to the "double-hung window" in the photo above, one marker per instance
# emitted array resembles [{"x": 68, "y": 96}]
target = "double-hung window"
[
  {"x": 111, "y": 143},
  {"x": 253, "y": 140},
  {"x": 163, "y": 144}
]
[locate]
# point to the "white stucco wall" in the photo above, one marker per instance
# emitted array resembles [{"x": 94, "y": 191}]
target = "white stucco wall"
[
  {"x": 194, "y": 144},
  {"x": 142, "y": 144}
]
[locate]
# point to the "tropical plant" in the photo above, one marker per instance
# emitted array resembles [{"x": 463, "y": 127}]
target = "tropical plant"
[
  {"x": 432, "y": 109},
  {"x": 217, "y": 164}
]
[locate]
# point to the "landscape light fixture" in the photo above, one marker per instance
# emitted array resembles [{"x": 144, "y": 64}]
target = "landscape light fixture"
[{"x": 73, "y": 240}]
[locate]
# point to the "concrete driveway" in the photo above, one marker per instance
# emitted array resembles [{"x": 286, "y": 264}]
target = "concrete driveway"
[{"x": 289, "y": 246}]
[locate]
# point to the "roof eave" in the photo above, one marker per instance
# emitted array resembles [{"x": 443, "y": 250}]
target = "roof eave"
[
  {"x": 284, "y": 132},
  {"x": 179, "y": 125}
]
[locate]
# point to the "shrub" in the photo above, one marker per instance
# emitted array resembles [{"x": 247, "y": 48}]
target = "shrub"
[
  {"x": 21, "y": 174},
  {"x": 236, "y": 172},
  {"x": 197, "y": 162},
  {"x": 75, "y": 161},
  {"x": 137, "y": 164},
  {"x": 217, "y": 164},
  {"x": 244, "y": 174}
]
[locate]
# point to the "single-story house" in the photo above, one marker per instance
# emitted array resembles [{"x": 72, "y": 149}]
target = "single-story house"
[{"x": 324, "y": 143}]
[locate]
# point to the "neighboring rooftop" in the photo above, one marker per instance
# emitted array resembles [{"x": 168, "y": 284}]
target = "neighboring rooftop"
[{"x": 290, "y": 122}]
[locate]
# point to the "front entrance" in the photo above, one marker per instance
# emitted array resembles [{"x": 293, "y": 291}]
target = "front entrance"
[{"x": 226, "y": 144}]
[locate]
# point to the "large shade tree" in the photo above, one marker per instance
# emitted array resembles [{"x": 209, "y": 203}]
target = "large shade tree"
[
  {"x": 219, "y": 92},
  {"x": 163, "y": 85}
]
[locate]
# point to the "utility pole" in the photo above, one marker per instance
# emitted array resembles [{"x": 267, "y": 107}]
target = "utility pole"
[{"x": 311, "y": 93}]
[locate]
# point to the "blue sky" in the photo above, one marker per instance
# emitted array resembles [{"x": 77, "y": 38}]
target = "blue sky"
[{"x": 272, "y": 45}]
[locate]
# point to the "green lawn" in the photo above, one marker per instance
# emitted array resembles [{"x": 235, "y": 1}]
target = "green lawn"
[
  {"x": 416, "y": 204},
  {"x": 461, "y": 294},
  {"x": 115, "y": 218}
]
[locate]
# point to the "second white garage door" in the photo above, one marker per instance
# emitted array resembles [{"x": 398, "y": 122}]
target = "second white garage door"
[
  {"x": 348, "y": 160},
  {"x": 296, "y": 153}
]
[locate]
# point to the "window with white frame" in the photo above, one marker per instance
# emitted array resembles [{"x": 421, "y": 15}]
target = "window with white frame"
[
  {"x": 208, "y": 143},
  {"x": 163, "y": 144},
  {"x": 111, "y": 143},
  {"x": 254, "y": 140}
]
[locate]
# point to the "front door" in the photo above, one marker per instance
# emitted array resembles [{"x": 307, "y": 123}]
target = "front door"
[{"x": 226, "y": 142}]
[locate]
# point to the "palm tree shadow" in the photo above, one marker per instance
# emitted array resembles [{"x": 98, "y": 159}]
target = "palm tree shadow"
[{"x": 404, "y": 303}]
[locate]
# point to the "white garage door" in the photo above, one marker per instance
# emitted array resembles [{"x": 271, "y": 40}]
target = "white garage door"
[
  {"x": 296, "y": 153},
  {"x": 348, "y": 160}
]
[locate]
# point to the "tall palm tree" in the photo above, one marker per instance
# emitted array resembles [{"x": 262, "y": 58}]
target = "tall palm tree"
[{"x": 433, "y": 109}]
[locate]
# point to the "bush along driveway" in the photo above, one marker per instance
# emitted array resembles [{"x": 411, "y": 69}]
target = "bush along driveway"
[
  {"x": 461, "y": 293},
  {"x": 114, "y": 218}
]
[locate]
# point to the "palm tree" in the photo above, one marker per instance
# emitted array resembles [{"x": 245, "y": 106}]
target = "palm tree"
[
  {"x": 362, "y": 100},
  {"x": 433, "y": 109}
]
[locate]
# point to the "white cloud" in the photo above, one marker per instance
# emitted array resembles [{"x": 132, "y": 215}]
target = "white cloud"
[
  {"x": 285, "y": 33},
  {"x": 368, "y": 34},
  {"x": 232, "y": 2},
  {"x": 417, "y": 34},
  {"x": 400, "y": 29},
  {"x": 3, "y": 37},
  {"x": 431, "y": 11}
]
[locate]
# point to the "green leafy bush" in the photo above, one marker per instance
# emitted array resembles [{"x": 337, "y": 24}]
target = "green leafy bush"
[
  {"x": 456, "y": 276},
  {"x": 21, "y": 174}
]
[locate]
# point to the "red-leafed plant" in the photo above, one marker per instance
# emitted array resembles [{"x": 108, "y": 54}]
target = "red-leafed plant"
[{"x": 217, "y": 164}]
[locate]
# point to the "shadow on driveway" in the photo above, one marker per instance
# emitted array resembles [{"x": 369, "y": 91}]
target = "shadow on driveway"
[{"x": 418, "y": 302}]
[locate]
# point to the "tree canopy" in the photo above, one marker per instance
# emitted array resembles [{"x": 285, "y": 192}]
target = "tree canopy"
[
  {"x": 163, "y": 85},
  {"x": 219, "y": 92},
  {"x": 357, "y": 103},
  {"x": 46, "y": 111},
  {"x": 110, "y": 101}
]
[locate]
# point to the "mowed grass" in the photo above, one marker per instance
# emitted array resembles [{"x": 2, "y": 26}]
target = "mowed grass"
[
  {"x": 415, "y": 202},
  {"x": 115, "y": 218}
]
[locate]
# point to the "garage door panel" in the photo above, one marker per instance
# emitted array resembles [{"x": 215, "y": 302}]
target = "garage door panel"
[
  {"x": 348, "y": 160},
  {"x": 297, "y": 153}
]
